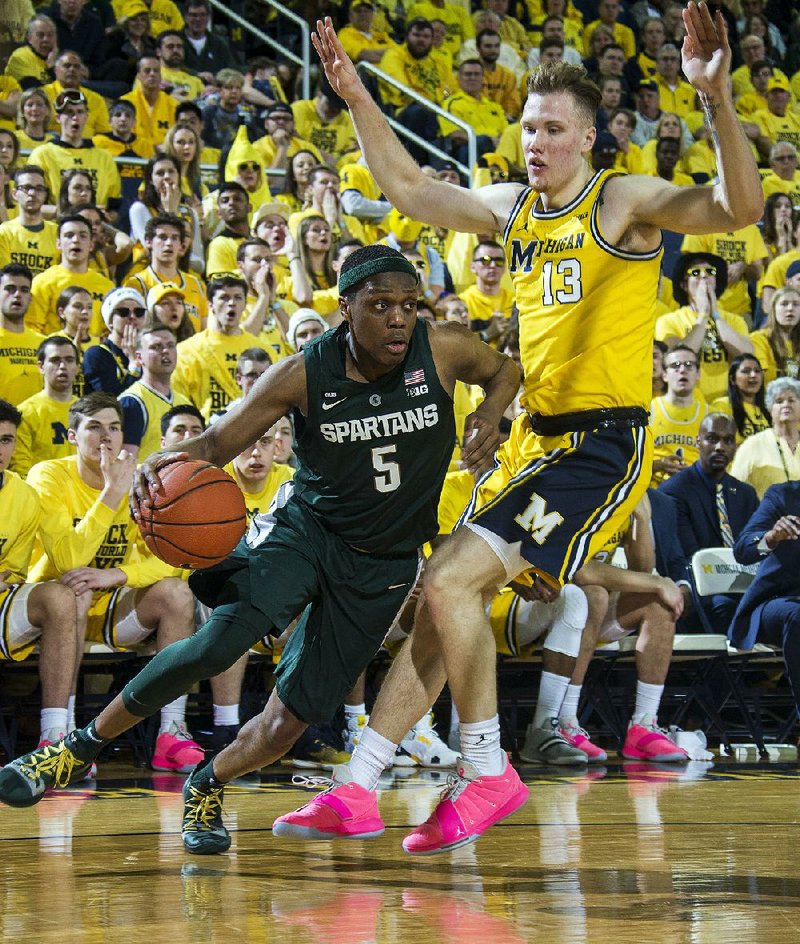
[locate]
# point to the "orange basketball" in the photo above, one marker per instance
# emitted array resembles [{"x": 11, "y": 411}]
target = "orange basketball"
[{"x": 198, "y": 517}]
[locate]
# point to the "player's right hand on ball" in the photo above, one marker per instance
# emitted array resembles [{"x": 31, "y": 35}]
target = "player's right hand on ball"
[{"x": 146, "y": 480}]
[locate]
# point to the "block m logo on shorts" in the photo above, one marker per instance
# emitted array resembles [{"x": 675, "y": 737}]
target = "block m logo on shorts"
[{"x": 538, "y": 520}]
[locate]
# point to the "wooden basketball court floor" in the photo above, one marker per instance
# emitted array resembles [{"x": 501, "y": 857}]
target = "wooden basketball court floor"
[{"x": 626, "y": 853}]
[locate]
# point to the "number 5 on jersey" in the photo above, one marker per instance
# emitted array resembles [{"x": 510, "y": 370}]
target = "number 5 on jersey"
[{"x": 387, "y": 477}]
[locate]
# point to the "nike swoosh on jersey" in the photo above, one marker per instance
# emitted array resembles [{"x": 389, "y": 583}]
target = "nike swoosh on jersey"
[{"x": 330, "y": 406}]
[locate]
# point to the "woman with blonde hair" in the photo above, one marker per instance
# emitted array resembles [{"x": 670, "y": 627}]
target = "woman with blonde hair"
[
  {"x": 183, "y": 143},
  {"x": 777, "y": 344},
  {"x": 33, "y": 119}
]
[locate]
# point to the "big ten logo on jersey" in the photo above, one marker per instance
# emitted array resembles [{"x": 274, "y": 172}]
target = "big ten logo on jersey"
[
  {"x": 89, "y": 171},
  {"x": 59, "y": 433},
  {"x": 415, "y": 382},
  {"x": 112, "y": 551},
  {"x": 538, "y": 520}
]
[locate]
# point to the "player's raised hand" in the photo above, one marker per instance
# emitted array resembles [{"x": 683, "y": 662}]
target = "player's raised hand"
[
  {"x": 338, "y": 66},
  {"x": 146, "y": 481},
  {"x": 706, "y": 53}
]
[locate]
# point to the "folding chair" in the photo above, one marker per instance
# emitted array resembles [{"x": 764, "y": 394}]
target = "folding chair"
[{"x": 716, "y": 571}]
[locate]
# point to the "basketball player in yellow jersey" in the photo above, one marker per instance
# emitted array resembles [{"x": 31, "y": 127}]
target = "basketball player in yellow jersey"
[{"x": 583, "y": 251}]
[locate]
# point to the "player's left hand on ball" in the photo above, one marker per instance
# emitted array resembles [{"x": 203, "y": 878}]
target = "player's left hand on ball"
[
  {"x": 146, "y": 480},
  {"x": 481, "y": 439}
]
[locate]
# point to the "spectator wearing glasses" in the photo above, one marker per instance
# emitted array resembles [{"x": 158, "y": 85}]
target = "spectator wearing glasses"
[
  {"x": 745, "y": 400},
  {"x": 75, "y": 244},
  {"x": 29, "y": 239},
  {"x": 784, "y": 177},
  {"x": 675, "y": 94},
  {"x": 778, "y": 122},
  {"x": 716, "y": 336},
  {"x": 489, "y": 303},
  {"x": 747, "y": 104},
  {"x": 675, "y": 417},
  {"x": 110, "y": 366}
]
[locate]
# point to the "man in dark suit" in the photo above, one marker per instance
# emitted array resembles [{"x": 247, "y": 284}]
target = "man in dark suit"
[
  {"x": 770, "y": 609},
  {"x": 705, "y": 498}
]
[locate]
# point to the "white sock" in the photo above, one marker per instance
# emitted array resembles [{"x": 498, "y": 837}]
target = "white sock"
[
  {"x": 52, "y": 718},
  {"x": 71, "y": 713},
  {"x": 480, "y": 745},
  {"x": 373, "y": 754},
  {"x": 353, "y": 711},
  {"x": 226, "y": 715},
  {"x": 648, "y": 699},
  {"x": 175, "y": 711},
  {"x": 552, "y": 689},
  {"x": 569, "y": 706},
  {"x": 453, "y": 717}
]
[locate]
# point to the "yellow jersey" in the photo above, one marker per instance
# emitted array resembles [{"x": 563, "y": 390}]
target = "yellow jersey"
[
  {"x": 776, "y": 128},
  {"x": 267, "y": 149},
  {"x": 456, "y": 493},
  {"x": 42, "y": 434},
  {"x": 57, "y": 158},
  {"x": 221, "y": 253},
  {"x": 78, "y": 530},
  {"x": 772, "y": 183},
  {"x": 775, "y": 276},
  {"x": 675, "y": 430},
  {"x": 334, "y": 137},
  {"x": 257, "y": 503},
  {"x": 20, "y": 511},
  {"x": 24, "y": 63},
  {"x": 33, "y": 246},
  {"x": 355, "y": 42},
  {"x": 762, "y": 349},
  {"x": 745, "y": 245},
  {"x": 152, "y": 122},
  {"x": 46, "y": 288},
  {"x": 586, "y": 308},
  {"x": 193, "y": 288},
  {"x": 428, "y": 76},
  {"x": 206, "y": 370},
  {"x": 754, "y": 420},
  {"x": 143, "y": 408},
  {"x": 484, "y": 115},
  {"x": 678, "y": 100},
  {"x": 20, "y": 376}
]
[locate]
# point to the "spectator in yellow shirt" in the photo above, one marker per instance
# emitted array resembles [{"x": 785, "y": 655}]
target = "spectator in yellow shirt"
[
  {"x": 778, "y": 122},
  {"x": 30, "y": 64},
  {"x": 325, "y": 121},
  {"x": 181, "y": 85},
  {"x": 608, "y": 13},
  {"x": 675, "y": 95},
  {"x": 155, "y": 110},
  {"x": 361, "y": 41},
  {"x": 499, "y": 83},
  {"x": 784, "y": 177},
  {"x": 469, "y": 104},
  {"x": 69, "y": 71}
]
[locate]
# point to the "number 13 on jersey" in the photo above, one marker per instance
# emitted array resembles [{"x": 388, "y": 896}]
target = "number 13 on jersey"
[{"x": 570, "y": 272}]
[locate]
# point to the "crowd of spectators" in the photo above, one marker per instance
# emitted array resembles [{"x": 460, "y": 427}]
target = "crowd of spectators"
[{"x": 173, "y": 216}]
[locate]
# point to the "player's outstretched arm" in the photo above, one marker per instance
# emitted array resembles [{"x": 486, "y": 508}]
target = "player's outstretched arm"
[
  {"x": 737, "y": 199},
  {"x": 281, "y": 388},
  {"x": 397, "y": 174},
  {"x": 460, "y": 355}
]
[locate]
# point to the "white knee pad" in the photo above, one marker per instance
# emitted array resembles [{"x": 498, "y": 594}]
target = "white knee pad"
[{"x": 572, "y": 612}]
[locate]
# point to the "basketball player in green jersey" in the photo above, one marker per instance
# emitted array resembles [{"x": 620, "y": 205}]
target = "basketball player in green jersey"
[
  {"x": 373, "y": 414},
  {"x": 583, "y": 252}
]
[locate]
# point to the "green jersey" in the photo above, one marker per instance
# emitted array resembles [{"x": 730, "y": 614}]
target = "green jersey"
[{"x": 373, "y": 456}]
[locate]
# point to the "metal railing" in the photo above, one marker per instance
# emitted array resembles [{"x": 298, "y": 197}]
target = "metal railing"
[
  {"x": 303, "y": 60},
  {"x": 402, "y": 131}
]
